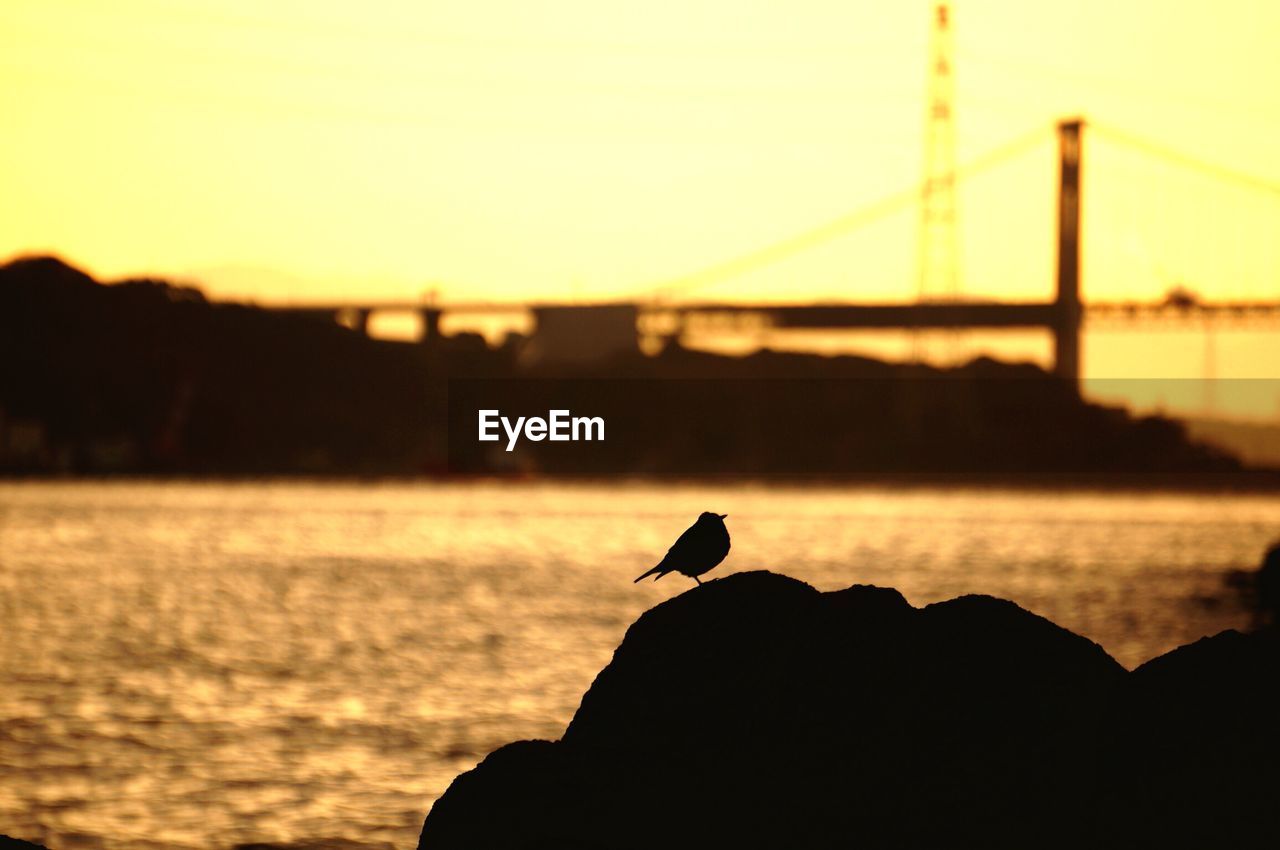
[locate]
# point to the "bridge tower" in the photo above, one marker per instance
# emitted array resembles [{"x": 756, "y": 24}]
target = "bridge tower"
[
  {"x": 1067, "y": 312},
  {"x": 938, "y": 262}
]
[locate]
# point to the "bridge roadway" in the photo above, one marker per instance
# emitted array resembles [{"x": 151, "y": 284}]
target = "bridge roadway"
[
  {"x": 1063, "y": 317},
  {"x": 939, "y": 314}
]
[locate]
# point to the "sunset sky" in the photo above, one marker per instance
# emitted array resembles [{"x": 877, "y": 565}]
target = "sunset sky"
[{"x": 588, "y": 149}]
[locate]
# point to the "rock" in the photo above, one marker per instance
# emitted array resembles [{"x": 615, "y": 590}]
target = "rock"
[
  {"x": 1194, "y": 752},
  {"x": 754, "y": 711},
  {"x": 316, "y": 844},
  {"x": 7, "y": 843},
  {"x": 1268, "y": 587}
]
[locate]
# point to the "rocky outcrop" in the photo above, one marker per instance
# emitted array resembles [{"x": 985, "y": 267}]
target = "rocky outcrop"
[
  {"x": 1193, "y": 751},
  {"x": 755, "y": 711}
]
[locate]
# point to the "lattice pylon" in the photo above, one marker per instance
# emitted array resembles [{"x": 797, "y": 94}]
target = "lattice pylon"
[{"x": 938, "y": 264}]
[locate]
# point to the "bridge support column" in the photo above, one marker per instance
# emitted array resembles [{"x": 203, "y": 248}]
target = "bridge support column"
[
  {"x": 430, "y": 325},
  {"x": 1066, "y": 327}
]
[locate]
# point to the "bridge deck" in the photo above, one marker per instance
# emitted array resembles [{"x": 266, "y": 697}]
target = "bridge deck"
[{"x": 957, "y": 314}]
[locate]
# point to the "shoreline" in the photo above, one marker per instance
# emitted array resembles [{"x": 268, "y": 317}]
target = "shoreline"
[{"x": 1247, "y": 481}]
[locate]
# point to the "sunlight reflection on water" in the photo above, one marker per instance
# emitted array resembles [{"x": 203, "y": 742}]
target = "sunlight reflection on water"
[{"x": 204, "y": 664}]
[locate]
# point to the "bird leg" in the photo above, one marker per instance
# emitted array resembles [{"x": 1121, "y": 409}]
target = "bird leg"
[{"x": 698, "y": 580}]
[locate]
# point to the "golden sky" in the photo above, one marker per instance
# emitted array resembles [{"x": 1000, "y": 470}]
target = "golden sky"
[{"x": 586, "y": 148}]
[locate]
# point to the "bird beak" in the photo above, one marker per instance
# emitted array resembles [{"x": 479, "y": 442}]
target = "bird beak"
[{"x": 723, "y": 516}]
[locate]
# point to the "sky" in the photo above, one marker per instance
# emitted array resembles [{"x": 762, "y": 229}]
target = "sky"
[{"x": 495, "y": 150}]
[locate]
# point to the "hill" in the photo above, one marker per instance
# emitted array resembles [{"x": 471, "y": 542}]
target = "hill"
[{"x": 143, "y": 376}]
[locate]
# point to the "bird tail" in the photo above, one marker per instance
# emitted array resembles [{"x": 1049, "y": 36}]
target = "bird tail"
[{"x": 658, "y": 569}]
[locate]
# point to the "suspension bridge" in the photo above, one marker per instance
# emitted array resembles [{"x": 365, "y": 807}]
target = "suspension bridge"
[{"x": 1213, "y": 272}]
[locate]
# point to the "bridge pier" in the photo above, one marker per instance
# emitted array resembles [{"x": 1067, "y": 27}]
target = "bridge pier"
[
  {"x": 430, "y": 325},
  {"x": 1067, "y": 308}
]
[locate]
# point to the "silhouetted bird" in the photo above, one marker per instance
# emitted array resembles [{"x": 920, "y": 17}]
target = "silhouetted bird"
[{"x": 703, "y": 545}]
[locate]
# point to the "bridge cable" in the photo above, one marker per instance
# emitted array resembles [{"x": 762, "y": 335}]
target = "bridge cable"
[
  {"x": 1186, "y": 160},
  {"x": 798, "y": 243}
]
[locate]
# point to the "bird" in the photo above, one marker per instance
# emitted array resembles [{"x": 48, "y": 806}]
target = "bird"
[{"x": 702, "y": 546}]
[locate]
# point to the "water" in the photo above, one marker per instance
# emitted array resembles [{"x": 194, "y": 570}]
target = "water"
[{"x": 204, "y": 664}]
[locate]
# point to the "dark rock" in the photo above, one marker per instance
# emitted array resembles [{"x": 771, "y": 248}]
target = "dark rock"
[
  {"x": 7, "y": 843},
  {"x": 1268, "y": 587},
  {"x": 1194, "y": 751},
  {"x": 317, "y": 844},
  {"x": 754, "y": 711}
]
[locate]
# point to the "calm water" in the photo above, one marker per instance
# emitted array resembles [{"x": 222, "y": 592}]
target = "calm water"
[{"x": 198, "y": 665}]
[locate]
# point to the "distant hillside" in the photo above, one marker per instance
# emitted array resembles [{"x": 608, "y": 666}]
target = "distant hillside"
[
  {"x": 144, "y": 376},
  {"x": 1257, "y": 444}
]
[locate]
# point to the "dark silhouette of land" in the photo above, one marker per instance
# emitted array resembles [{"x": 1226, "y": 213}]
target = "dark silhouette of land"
[
  {"x": 756, "y": 712},
  {"x": 698, "y": 550},
  {"x": 1259, "y": 590},
  {"x": 1266, "y": 586},
  {"x": 146, "y": 376},
  {"x": 143, "y": 376}
]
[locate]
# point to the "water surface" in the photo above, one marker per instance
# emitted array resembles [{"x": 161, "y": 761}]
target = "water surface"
[{"x": 196, "y": 665}]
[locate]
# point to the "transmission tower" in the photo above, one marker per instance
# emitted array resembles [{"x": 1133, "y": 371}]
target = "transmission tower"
[{"x": 939, "y": 278}]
